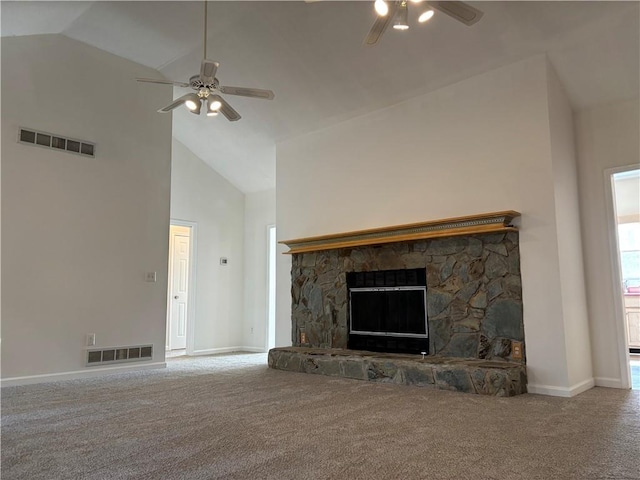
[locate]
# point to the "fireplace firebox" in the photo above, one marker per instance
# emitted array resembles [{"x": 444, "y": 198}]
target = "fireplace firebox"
[{"x": 387, "y": 311}]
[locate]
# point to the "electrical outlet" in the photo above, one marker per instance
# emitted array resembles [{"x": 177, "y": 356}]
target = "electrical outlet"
[
  {"x": 303, "y": 338},
  {"x": 251, "y": 329},
  {"x": 91, "y": 339},
  {"x": 516, "y": 350}
]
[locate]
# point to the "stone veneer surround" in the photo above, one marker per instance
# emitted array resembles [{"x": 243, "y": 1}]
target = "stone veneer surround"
[
  {"x": 483, "y": 377},
  {"x": 474, "y": 294}
]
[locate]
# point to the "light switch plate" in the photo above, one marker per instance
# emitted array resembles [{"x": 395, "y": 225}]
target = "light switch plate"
[{"x": 150, "y": 277}]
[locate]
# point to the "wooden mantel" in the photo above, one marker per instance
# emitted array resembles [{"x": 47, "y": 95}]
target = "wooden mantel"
[{"x": 449, "y": 227}]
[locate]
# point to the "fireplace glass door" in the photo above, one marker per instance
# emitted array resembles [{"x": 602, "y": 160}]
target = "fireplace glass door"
[{"x": 395, "y": 311}]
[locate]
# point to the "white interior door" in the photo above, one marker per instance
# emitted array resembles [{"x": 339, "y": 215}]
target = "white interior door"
[{"x": 178, "y": 287}]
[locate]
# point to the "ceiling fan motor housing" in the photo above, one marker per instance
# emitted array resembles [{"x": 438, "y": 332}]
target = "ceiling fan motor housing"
[{"x": 196, "y": 83}]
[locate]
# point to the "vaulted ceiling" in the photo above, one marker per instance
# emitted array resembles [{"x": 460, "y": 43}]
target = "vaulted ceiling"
[{"x": 311, "y": 55}]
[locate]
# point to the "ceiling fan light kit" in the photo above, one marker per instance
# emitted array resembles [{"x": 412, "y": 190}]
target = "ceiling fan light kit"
[
  {"x": 426, "y": 15},
  {"x": 401, "y": 21},
  {"x": 192, "y": 102},
  {"x": 213, "y": 105},
  {"x": 207, "y": 89},
  {"x": 381, "y": 7},
  {"x": 396, "y": 13}
]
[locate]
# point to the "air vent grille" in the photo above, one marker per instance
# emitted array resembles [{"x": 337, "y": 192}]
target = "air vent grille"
[
  {"x": 110, "y": 355},
  {"x": 57, "y": 142}
]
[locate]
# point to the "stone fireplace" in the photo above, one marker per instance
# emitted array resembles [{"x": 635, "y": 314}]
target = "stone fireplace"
[{"x": 473, "y": 295}]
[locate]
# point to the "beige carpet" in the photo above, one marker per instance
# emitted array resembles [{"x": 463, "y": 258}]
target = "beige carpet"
[{"x": 230, "y": 417}]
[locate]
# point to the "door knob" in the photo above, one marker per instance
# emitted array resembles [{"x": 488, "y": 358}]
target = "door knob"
[{"x": 176, "y": 297}]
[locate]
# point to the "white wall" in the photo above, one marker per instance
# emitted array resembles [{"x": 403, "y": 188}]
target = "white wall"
[
  {"x": 570, "y": 258},
  {"x": 607, "y": 137},
  {"x": 476, "y": 146},
  {"x": 259, "y": 213},
  {"x": 78, "y": 234},
  {"x": 199, "y": 194}
]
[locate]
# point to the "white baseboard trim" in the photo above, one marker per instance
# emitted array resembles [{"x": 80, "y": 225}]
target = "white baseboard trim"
[
  {"x": 608, "y": 382},
  {"x": 214, "y": 351},
  {"x": 548, "y": 390},
  {"x": 583, "y": 386},
  {"x": 253, "y": 349},
  {"x": 562, "y": 391},
  {"x": 88, "y": 373}
]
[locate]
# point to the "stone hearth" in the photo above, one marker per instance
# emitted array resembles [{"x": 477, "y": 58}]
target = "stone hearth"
[{"x": 484, "y": 377}]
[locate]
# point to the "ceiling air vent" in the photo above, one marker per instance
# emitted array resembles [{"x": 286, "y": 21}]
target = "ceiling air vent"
[
  {"x": 57, "y": 142},
  {"x": 111, "y": 355}
]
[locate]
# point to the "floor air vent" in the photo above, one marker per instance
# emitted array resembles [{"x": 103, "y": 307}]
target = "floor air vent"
[
  {"x": 57, "y": 142},
  {"x": 119, "y": 355}
]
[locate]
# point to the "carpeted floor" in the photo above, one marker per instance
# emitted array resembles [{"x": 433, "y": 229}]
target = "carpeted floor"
[{"x": 230, "y": 417}]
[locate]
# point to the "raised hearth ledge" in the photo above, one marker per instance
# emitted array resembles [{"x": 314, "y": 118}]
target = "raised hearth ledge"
[
  {"x": 483, "y": 377},
  {"x": 449, "y": 227}
]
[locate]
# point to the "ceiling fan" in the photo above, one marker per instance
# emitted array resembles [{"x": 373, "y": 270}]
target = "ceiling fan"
[
  {"x": 396, "y": 12},
  {"x": 208, "y": 89}
]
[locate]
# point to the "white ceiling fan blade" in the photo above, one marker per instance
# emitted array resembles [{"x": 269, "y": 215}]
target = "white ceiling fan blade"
[
  {"x": 380, "y": 26},
  {"x": 162, "y": 82},
  {"x": 175, "y": 104},
  {"x": 248, "y": 92},
  {"x": 226, "y": 109},
  {"x": 459, "y": 10},
  {"x": 208, "y": 70}
]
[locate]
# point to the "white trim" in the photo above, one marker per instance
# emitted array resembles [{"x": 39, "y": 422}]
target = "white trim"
[
  {"x": 215, "y": 351},
  {"x": 253, "y": 349},
  {"x": 548, "y": 390},
  {"x": 622, "y": 335},
  {"x": 167, "y": 330},
  {"x": 268, "y": 309},
  {"x": 609, "y": 382},
  {"x": 193, "y": 256},
  {"x": 562, "y": 391},
  {"x": 90, "y": 372},
  {"x": 583, "y": 386}
]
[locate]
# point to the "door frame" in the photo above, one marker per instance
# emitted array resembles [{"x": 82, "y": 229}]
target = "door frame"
[
  {"x": 622, "y": 332},
  {"x": 268, "y": 278},
  {"x": 191, "y": 300}
]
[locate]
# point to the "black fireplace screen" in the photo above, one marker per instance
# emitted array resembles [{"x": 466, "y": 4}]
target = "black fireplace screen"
[{"x": 387, "y": 311}]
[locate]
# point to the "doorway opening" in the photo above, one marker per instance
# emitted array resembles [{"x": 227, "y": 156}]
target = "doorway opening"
[
  {"x": 625, "y": 184},
  {"x": 180, "y": 289},
  {"x": 271, "y": 287}
]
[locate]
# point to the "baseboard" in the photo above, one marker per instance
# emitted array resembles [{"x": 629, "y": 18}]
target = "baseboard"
[
  {"x": 608, "y": 382},
  {"x": 90, "y": 372},
  {"x": 214, "y": 351},
  {"x": 253, "y": 349},
  {"x": 583, "y": 386},
  {"x": 561, "y": 391}
]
